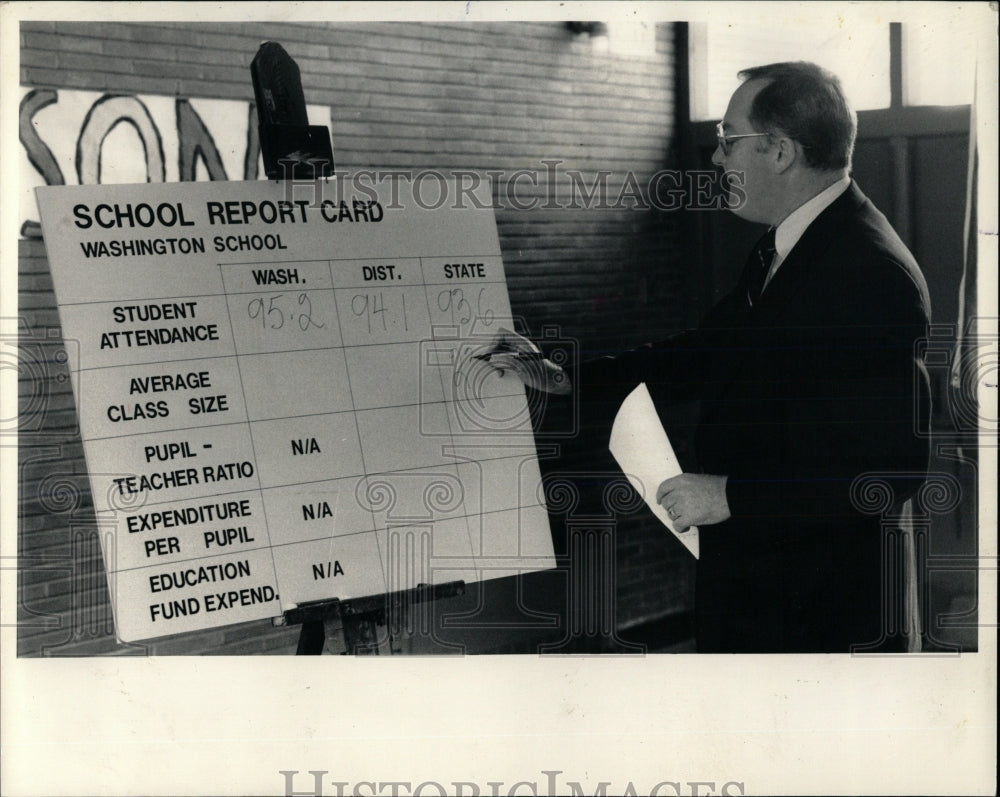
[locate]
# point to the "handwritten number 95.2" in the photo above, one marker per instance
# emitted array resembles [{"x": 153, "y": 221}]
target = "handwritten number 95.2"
[{"x": 273, "y": 312}]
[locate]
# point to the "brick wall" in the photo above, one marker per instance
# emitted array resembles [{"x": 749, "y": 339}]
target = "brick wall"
[{"x": 485, "y": 97}]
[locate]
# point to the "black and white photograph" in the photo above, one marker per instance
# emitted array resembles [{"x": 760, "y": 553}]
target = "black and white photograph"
[{"x": 579, "y": 361}]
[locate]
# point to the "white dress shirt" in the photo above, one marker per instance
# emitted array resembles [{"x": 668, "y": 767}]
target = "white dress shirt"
[{"x": 792, "y": 228}]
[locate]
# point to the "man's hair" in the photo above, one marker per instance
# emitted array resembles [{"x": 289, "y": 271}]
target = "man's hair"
[{"x": 806, "y": 103}]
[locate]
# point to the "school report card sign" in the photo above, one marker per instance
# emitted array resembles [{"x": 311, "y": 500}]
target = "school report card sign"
[{"x": 278, "y": 397}]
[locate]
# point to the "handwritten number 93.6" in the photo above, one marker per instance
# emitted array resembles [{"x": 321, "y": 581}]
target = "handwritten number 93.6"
[
  {"x": 453, "y": 302},
  {"x": 273, "y": 312}
]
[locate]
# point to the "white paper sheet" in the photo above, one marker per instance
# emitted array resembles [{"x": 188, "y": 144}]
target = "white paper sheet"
[{"x": 643, "y": 452}]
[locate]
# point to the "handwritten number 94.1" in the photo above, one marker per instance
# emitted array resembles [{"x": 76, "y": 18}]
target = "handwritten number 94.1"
[{"x": 373, "y": 306}]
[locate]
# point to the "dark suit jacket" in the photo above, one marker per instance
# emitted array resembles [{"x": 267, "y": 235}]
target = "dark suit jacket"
[{"x": 801, "y": 396}]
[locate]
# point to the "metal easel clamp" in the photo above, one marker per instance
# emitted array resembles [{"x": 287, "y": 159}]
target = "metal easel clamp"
[
  {"x": 357, "y": 620},
  {"x": 292, "y": 149}
]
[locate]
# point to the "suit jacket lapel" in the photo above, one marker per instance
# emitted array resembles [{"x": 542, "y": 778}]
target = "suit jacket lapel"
[{"x": 808, "y": 252}]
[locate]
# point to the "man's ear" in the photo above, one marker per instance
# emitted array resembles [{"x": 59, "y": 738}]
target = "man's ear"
[{"x": 784, "y": 152}]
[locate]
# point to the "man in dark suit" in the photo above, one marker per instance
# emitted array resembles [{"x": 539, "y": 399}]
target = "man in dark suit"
[{"x": 809, "y": 389}]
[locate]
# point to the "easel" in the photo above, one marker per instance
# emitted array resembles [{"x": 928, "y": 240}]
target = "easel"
[
  {"x": 357, "y": 620},
  {"x": 293, "y": 149}
]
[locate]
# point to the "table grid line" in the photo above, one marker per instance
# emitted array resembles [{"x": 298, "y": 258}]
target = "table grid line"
[
  {"x": 223, "y": 424},
  {"x": 357, "y": 533},
  {"x": 276, "y": 351},
  {"x": 223, "y": 293},
  {"x": 357, "y": 431},
  {"x": 253, "y": 449},
  {"x": 314, "y": 481},
  {"x": 444, "y": 390}
]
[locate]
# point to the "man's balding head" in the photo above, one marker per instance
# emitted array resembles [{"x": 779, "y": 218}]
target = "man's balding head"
[{"x": 806, "y": 103}]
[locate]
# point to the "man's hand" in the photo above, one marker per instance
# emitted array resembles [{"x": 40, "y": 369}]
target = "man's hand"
[
  {"x": 509, "y": 351},
  {"x": 693, "y": 499}
]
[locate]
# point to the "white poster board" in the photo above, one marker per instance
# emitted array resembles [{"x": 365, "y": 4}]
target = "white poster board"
[{"x": 278, "y": 399}]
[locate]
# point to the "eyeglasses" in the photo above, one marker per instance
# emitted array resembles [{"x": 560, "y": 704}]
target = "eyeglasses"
[{"x": 725, "y": 142}]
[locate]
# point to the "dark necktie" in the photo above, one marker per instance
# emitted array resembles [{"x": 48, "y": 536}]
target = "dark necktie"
[{"x": 758, "y": 264}]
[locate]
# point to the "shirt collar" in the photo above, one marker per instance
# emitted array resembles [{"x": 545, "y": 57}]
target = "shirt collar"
[{"x": 792, "y": 228}]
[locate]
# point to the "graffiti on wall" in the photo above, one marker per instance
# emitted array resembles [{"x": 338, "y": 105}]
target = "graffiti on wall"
[{"x": 71, "y": 137}]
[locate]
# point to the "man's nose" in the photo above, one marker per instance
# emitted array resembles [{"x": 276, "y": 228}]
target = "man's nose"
[{"x": 718, "y": 157}]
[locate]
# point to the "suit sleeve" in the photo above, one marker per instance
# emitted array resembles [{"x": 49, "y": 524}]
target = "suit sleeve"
[{"x": 681, "y": 366}]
